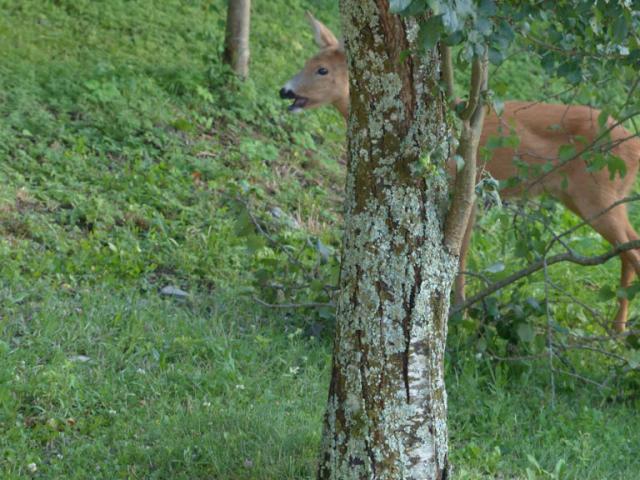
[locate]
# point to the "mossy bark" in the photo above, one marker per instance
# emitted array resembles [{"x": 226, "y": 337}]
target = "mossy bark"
[{"x": 386, "y": 413}]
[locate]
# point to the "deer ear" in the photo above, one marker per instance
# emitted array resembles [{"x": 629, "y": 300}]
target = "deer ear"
[{"x": 324, "y": 37}]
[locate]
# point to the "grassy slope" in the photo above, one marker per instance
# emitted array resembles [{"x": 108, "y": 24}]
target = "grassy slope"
[{"x": 122, "y": 155}]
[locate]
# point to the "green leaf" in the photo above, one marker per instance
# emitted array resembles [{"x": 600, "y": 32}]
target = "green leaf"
[
  {"x": 511, "y": 141},
  {"x": 244, "y": 225},
  {"x": 496, "y": 57},
  {"x": 255, "y": 243},
  {"x": 633, "y": 341},
  {"x": 454, "y": 39},
  {"x": 327, "y": 313},
  {"x": 602, "y": 118},
  {"x": 483, "y": 26},
  {"x": 450, "y": 21},
  {"x": 399, "y": 6},
  {"x": 616, "y": 165},
  {"x": 533, "y": 303},
  {"x": 494, "y": 141},
  {"x": 559, "y": 328},
  {"x": 498, "y": 106},
  {"x": 403, "y": 56},
  {"x": 606, "y": 293},
  {"x": 465, "y": 8},
  {"x": 436, "y": 6},
  {"x": 572, "y": 71},
  {"x": 632, "y": 291},
  {"x": 596, "y": 161},
  {"x": 430, "y": 32},
  {"x": 183, "y": 125},
  {"x": 620, "y": 28},
  {"x": 526, "y": 332},
  {"x": 487, "y": 7},
  {"x": 633, "y": 358},
  {"x": 566, "y": 153}
]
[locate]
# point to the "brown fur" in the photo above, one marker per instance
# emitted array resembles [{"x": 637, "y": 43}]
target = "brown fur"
[{"x": 542, "y": 129}]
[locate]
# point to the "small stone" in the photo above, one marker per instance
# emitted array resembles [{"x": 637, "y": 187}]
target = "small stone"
[
  {"x": 276, "y": 212},
  {"x": 79, "y": 358},
  {"x": 172, "y": 291}
]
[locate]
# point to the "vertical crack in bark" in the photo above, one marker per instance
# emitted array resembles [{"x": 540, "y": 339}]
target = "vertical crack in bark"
[
  {"x": 368, "y": 399},
  {"x": 407, "y": 324},
  {"x": 444, "y": 471}
]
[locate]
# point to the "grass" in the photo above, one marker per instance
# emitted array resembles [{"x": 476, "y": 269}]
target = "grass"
[
  {"x": 131, "y": 161},
  {"x": 155, "y": 388}
]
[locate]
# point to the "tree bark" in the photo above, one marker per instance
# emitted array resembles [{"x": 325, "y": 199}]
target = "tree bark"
[
  {"x": 386, "y": 413},
  {"x": 236, "y": 43}
]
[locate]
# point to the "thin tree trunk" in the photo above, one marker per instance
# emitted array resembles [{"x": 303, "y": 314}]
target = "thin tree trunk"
[
  {"x": 386, "y": 413},
  {"x": 236, "y": 43}
]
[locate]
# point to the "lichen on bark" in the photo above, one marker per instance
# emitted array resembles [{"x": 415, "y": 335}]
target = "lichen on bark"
[{"x": 386, "y": 414}]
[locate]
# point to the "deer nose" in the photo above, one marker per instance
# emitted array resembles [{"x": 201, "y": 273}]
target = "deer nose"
[{"x": 286, "y": 93}]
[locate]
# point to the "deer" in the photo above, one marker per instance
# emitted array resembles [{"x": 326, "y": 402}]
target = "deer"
[{"x": 594, "y": 196}]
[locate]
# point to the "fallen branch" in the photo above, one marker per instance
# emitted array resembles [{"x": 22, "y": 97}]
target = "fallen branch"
[{"x": 292, "y": 305}]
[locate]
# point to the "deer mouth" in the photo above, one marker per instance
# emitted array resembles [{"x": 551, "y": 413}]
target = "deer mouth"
[{"x": 298, "y": 104}]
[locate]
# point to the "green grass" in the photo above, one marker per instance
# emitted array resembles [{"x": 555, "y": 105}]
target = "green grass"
[{"x": 131, "y": 161}]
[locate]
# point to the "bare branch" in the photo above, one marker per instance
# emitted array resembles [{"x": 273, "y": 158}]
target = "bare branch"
[
  {"x": 587, "y": 221},
  {"x": 540, "y": 264},
  {"x": 571, "y": 53},
  {"x": 602, "y": 386},
  {"x": 478, "y": 74},
  {"x": 292, "y": 305},
  {"x": 592, "y": 311},
  {"x": 446, "y": 64}
]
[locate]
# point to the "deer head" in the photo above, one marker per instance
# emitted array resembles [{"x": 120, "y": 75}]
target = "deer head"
[{"x": 324, "y": 79}]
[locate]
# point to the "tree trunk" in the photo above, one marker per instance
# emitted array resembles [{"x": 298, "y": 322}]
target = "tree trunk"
[
  {"x": 386, "y": 414},
  {"x": 236, "y": 43}
]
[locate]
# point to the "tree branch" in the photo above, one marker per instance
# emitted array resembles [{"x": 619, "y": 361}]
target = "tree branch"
[
  {"x": 587, "y": 221},
  {"x": 446, "y": 65},
  {"x": 540, "y": 264},
  {"x": 292, "y": 305},
  {"x": 464, "y": 189},
  {"x": 478, "y": 84}
]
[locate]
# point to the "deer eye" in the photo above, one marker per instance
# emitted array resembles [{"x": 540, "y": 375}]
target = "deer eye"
[{"x": 322, "y": 71}]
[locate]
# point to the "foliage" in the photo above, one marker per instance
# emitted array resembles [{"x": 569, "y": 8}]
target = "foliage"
[{"x": 581, "y": 45}]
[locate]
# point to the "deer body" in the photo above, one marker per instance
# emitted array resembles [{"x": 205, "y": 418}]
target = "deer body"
[{"x": 541, "y": 128}]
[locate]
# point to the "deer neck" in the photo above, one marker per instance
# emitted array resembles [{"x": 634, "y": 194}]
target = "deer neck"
[{"x": 342, "y": 105}]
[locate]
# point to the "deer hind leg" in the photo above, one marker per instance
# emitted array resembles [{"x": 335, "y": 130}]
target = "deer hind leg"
[
  {"x": 458, "y": 294},
  {"x": 627, "y": 273},
  {"x": 614, "y": 226},
  {"x": 630, "y": 268}
]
